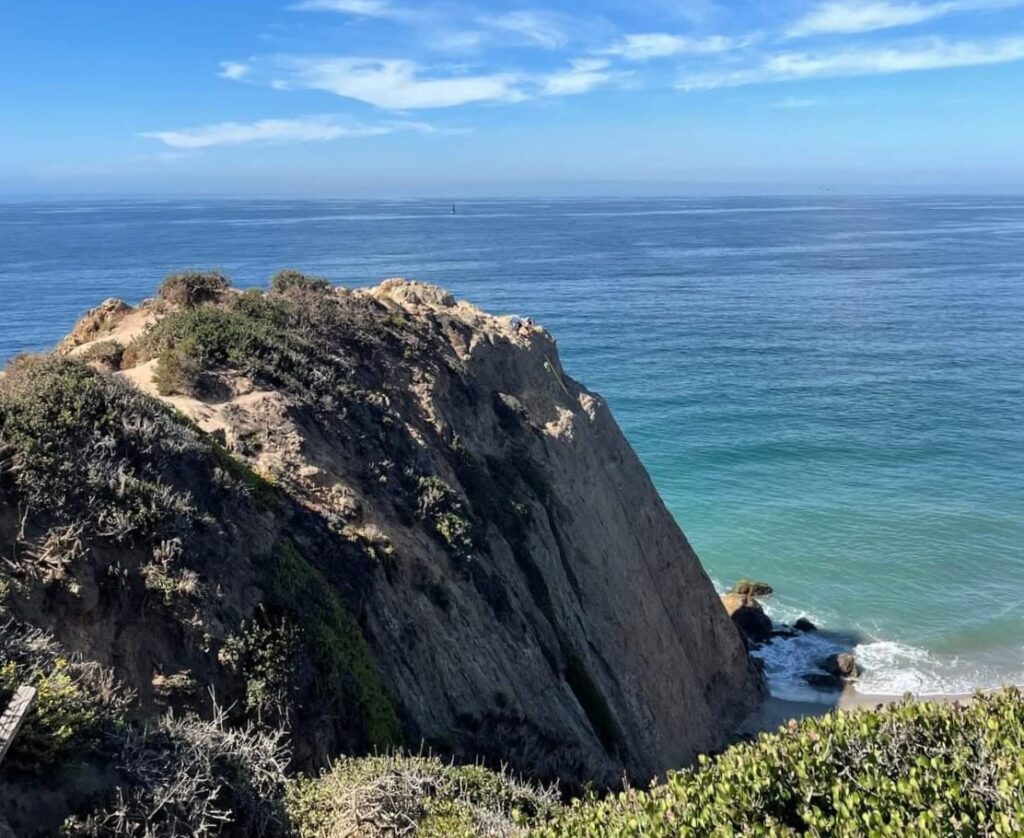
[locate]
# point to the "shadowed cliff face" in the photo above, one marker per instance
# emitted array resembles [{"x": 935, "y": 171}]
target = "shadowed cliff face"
[{"x": 426, "y": 479}]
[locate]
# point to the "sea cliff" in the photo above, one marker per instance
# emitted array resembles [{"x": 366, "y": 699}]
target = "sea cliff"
[{"x": 369, "y": 518}]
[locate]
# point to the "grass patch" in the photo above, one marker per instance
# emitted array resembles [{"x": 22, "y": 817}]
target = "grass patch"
[{"x": 347, "y": 680}]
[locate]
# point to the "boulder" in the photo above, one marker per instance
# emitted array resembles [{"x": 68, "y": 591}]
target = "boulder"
[
  {"x": 749, "y": 617},
  {"x": 842, "y": 665},
  {"x": 805, "y": 625},
  {"x": 96, "y": 322},
  {"x": 751, "y": 587},
  {"x": 824, "y": 681}
]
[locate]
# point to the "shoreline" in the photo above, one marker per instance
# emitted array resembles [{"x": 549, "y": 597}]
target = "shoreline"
[{"x": 776, "y": 712}]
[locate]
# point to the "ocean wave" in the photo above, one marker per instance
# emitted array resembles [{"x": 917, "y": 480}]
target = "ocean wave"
[{"x": 890, "y": 668}]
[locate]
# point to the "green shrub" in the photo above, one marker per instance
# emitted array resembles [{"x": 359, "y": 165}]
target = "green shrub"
[
  {"x": 105, "y": 353},
  {"x": 264, "y": 653},
  {"x": 289, "y": 281},
  {"x": 176, "y": 373},
  {"x": 178, "y": 586},
  {"x": 261, "y": 337},
  {"x": 403, "y": 795},
  {"x": 191, "y": 288},
  {"x": 89, "y": 451},
  {"x": 911, "y": 769},
  {"x": 76, "y": 701},
  {"x": 439, "y": 507}
]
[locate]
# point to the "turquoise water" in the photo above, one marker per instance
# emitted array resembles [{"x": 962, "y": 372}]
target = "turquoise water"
[{"x": 827, "y": 392}]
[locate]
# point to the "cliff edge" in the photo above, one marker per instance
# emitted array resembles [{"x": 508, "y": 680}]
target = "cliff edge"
[{"x": 445, "y": 537}]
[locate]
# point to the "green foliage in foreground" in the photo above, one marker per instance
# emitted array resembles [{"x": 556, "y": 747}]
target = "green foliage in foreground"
[
  {"x": 423, "y": 796},
  {"x": 912, "y": 769}
]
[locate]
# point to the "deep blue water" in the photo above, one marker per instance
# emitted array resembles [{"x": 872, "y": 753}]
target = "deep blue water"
[{"x": 828, "y": 392}]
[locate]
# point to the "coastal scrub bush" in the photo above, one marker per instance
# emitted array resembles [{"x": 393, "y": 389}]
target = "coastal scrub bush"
[
  {"x": 189, "y": 776},
  {"x": 191, "y": 288},
  {"x": 289, "y": 281},
  {"x": 441, "y": 508},
  {"x": 87, "y": 450},
  {"x": 910, "y": 769},
  {"x": 416, "y": 795},
  {"x": 261, "y": 337},
  {"x": 105, "y": 354},
  {"x": 176, "y": 373},
  {"x": 264, "y": 654},
  {"x": 76, "y": 701}
]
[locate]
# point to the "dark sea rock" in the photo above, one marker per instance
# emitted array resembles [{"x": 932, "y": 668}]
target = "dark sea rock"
[
  {"x": 842, "y": 665},
  {"x": 824, "y": 681},
  {"x": 751, "y": 587},
  {"x": 746, "y": 612}
]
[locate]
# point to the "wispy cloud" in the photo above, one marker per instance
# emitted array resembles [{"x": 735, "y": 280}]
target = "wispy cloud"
[
  {"x": 933, "y": 54},
  {"x": 456, "y": 41},
  {"x": 361, "y": 8},
  {"x": 303, "y": 130},
  {"x": 234, "y": 70},
  {"x": 395, "y": 84},
  {"x": 582, "y": 76},
  {"x": 537, "y": 27},
  {"x": 852, "y": 16},
  {"x": 649, "y": 45},
  {"x": 796, "y": 103}
]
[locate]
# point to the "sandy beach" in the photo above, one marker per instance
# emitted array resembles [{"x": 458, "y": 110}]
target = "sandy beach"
[{"x": 776, "y": 712}]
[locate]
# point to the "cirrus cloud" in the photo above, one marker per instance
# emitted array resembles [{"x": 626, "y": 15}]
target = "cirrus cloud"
[
  {"x": 934, "y": 54},
  {"x": 393, "y": 83},
  {"x": 845, "y": 17},
  {"x": 583, "y": 75},
  {"x": 649, "y": 45},
  {"x": 536, "y": 27},
  {"x": 305, "y": 129}
]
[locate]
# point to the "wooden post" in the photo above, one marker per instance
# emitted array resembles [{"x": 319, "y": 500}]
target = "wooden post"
[{"x": 14, "y": 716}]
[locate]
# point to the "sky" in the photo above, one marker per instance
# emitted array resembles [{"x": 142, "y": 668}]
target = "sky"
[{"x": 391, "y": 98}]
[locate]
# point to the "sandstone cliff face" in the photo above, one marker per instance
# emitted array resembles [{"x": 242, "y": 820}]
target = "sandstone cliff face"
[{"x": 522, "y": 591}]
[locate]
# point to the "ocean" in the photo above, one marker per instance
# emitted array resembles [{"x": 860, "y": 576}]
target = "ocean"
[{"x": 828, "y": 392}]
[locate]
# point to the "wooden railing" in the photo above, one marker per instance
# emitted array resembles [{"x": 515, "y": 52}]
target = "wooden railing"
[{"x": 14, "y": 717}]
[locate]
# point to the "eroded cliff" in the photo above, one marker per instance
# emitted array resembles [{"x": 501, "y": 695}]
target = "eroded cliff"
[{"x": 445, "y": 537}]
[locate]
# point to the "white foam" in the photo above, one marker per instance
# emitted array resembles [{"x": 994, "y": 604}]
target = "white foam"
[{"x": 890, "y": 668}]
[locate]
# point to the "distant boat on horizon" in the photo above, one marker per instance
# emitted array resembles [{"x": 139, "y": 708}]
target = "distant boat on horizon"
[{"x": 453, "y": 210}]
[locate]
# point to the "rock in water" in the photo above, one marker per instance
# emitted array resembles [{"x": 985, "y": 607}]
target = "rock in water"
[
  {"x": 805, "y": 625},
  {"x": 824, "y": 681},
  {"x": 750, "y": 587},
  {"x": 842, "y": 665},
  {"x": 459, "y": 530},
  {"x": 749, "y": 617}
]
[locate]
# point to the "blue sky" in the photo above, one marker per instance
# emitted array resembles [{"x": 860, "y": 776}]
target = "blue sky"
[{"x": 416, "y": 97}]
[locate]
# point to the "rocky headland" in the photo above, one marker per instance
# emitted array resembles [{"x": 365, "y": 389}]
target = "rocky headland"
[{"x": 364, "y": 518}]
